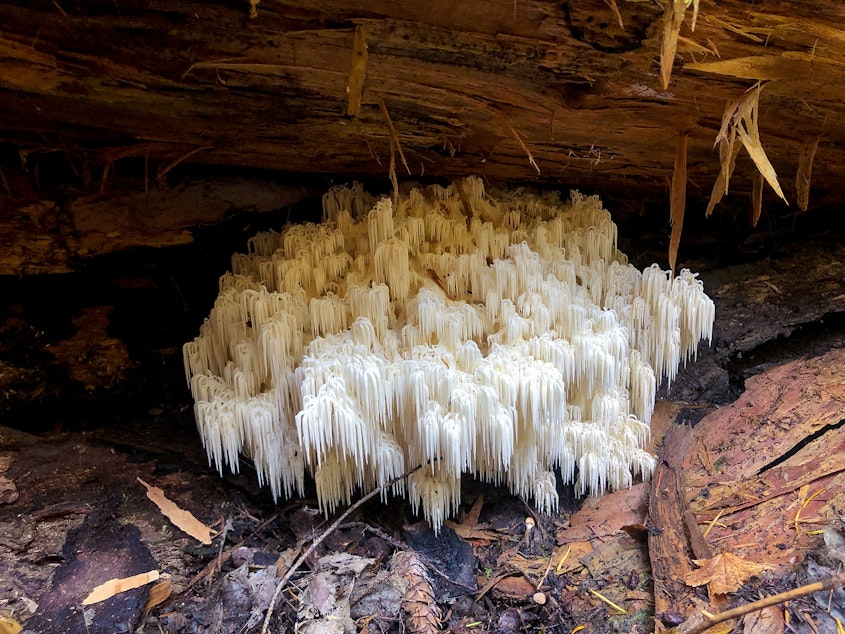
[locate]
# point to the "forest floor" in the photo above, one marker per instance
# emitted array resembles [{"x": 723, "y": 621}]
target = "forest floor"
[{"x": 750, "y": 484}]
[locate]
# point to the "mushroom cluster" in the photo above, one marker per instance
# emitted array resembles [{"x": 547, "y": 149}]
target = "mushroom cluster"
[{"x": 501, "y": 335}]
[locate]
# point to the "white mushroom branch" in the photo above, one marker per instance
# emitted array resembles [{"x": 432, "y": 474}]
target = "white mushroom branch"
[{"x": 502, "y": 337}]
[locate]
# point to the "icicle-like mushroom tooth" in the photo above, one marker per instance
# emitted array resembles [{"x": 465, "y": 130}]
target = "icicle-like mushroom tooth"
[{"x": 494, "y": 333}]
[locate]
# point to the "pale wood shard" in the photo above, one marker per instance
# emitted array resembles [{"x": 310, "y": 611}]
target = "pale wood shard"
[
  {"x": 671, "y": 30},
  {"x": 740, "y": 122},
  {"x": 182, "y": 519},
  {"x": 355, "y": 85},
  {"x": 115, "y": 586},
  {"x": 805, "y": 172},
  {"x": 678, "y": 198},
  {"x": 756, "y": 199}
]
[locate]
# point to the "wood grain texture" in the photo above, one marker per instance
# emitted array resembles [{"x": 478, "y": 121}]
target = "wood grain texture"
[{"x": 582, "y": 93}]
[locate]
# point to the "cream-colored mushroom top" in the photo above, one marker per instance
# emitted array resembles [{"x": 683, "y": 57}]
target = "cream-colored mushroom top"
[{"x": 499, "y": 335}]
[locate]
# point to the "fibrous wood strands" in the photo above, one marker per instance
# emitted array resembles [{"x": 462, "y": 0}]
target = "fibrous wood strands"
[
  {"x": 740, "y": 122},
  {"x": 805, "y": 170},
  {"x": 677, "y": 201},
  {"x": 671, "y": 30}
]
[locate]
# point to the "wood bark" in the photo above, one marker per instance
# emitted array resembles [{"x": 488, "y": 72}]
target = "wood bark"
[{"x": 478, "y": 87}]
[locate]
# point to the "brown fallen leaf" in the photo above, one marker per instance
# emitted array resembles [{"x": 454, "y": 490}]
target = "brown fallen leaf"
[
  {"x": 183, "y": 520},
  {"x": 724, "y": 573},
  {"x": 116, "y": 586}
]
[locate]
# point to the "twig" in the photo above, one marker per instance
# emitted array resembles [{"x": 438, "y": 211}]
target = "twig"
[
  {"x": 179, "y": 160},
  {"x": 695, "y": 626},
  {"x": 504, "y": 120},
  {"x": 393, "y": 136},
  {"x": 319, "y": 540}
]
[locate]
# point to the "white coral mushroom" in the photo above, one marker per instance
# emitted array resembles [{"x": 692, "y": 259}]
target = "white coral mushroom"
[{"x": 500, "y": 338}]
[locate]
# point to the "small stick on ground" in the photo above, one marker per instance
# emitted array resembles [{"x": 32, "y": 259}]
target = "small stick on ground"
[
  {"x": 319, "y": 540},
  {"x": 695, "y": 625}
]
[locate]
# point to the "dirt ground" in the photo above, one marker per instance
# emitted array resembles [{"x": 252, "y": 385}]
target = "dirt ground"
[{"x": 93, "y": 399}]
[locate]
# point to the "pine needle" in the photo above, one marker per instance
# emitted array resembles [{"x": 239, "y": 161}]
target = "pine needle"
[{"x": 609, "y": 602}]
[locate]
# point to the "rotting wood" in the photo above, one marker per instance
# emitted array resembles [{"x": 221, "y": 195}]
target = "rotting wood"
[
  {"x": 45, "y": 236},
  {"x": 267, "y": 92},
  {"x": 355, "y": 85},
  {"x": 668, "y": 543},
  {"x": 678, "y": 198}
]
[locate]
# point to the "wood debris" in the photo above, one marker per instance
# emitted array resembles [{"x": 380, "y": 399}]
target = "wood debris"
[
  {"x": 678, "y": 199},
  {"x": 804, "y": 173},
  {"x": 115, "y": 586},
  {"x": 183, "y": 520},
  {"x": 355, "y": 84},
  {"x": 739, "y": 122}
]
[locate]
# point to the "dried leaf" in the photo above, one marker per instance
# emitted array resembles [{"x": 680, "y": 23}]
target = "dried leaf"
[
  {"x": 724, "y": 573},
  {"x": 183, "y": 520},
  {"x": 115, "y": 586},
  {"x": 678, "y": 198}
]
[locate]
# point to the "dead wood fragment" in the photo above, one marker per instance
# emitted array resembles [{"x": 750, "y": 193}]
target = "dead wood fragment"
[
  {"x": 355, "y": 85},
  {"x": 616, "y": 13},
  {"x": 182, "y": 519},
  {"x": 394, "y": 145},
  {"x": 804, "y": 173},
  {"x": 678, "y": 199},
  {"x": 115, "y": 586},
  {"x": 671, "y": 31},
  {"x": 756, "y": 199},
  {"x": 668, "y": 544},
  {"x": 740, "y": 121},
  {"x": 516, "y": 136}
]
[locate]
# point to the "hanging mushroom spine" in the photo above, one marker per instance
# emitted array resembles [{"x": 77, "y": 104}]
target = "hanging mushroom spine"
[{"x": 501, "y": 337}]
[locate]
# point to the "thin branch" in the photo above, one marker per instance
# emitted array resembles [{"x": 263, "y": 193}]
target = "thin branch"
[
  {"x": 393, "y": 136},
  {"x": 301, "y": 559},
  {"x": 698, "y": 627},
  {"x": 516, "y": 136}
]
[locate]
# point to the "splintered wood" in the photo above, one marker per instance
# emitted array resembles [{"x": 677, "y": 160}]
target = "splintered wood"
[
  {"x": 772, "y": 464},
  {"x": 182, "y": 519},
  {"x": 678, "y": 200},
  {"x": 740, "y": 122}
]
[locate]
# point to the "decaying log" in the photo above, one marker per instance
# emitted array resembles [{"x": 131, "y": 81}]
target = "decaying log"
[
  {"x": 298, "y": 86},
  {"x": 47, "y": 236}
]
